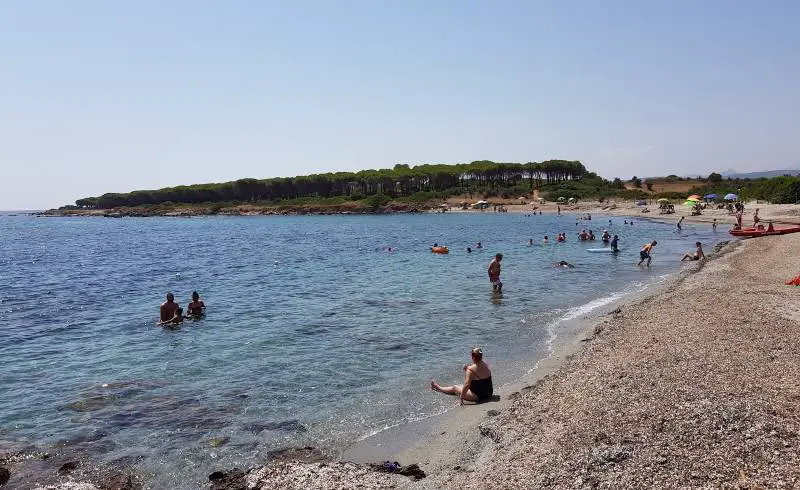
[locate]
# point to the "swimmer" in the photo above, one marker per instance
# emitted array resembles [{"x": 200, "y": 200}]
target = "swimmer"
[
  {"x": 679, "y": 223},
  {"x": 545, "y": 241},
  {"x": 168, "y": 308},
  {"x": 625, "y": 222},
  {"x": 477, "y": 385},
  {"x": 469, "y": 250},
  {"x": 591, "y": 236},
  {"x": 478, "y": 245},
  {"x": 176, "y": 319},
  {"x": 196, "y": 308},
  {"x": 530, "y": 242},
  {"x": 644, "y": 253},
  {"x": 698, "y": 253},
  {"x": 605, "y": 238},
  {"x": 494, "y": 274},
  {"x": 564, "y": 264}
]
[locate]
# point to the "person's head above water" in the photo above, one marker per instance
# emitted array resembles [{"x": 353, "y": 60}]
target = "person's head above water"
[
  {"x": 655, "y": 243},
  {"x": 498, "y": 257},
  {"x": 170, "y": 297},
  {"x": 179, "y": 311},
  {"x": 477, "y": 354},
  {"x": 697, "y": 244},
  {"x": 195, "y": 296}
]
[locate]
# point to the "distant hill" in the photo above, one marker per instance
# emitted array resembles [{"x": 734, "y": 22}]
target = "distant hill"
[{"x": 757, "y": 175}]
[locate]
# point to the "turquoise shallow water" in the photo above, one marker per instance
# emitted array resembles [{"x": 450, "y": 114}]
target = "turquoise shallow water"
[{"x": 314, "y": 335}]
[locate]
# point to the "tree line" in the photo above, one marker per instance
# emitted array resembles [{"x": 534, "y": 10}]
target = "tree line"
[{"x": 400, "y": 181}]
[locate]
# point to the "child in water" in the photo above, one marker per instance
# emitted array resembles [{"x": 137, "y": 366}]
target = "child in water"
[{"x": 177, "y": 319}]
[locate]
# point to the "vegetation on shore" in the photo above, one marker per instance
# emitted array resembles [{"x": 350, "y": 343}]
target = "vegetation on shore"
[{"x": 375, "y": 189}]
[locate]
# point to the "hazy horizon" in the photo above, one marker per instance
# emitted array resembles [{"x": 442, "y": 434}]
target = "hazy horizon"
[{"x": 107, "y": 97}]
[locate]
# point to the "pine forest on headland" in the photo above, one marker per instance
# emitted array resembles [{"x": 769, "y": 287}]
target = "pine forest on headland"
[{"x": 426, "y": 183}]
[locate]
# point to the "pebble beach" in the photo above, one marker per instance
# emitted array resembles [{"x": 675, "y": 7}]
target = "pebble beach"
[{"x": 696, "y": 386}]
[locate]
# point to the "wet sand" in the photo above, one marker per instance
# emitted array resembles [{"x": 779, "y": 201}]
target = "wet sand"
[{"x": 695, "y": 386}]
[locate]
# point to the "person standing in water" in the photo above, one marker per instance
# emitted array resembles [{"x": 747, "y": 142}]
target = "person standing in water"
[
  {"x": 196, "y": 308},
  {"x": 477, "y": 385},
  {"x": 168, "y": 308},
  {"x": 645, "y": 252},
  {"x": 714, "y": 225},
  {"x": 615, "y": 244},
  {"x": 679, "y": 223},
  {"x": 494, "y": 274}
]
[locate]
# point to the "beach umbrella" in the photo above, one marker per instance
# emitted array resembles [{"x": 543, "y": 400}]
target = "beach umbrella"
[
  {"x": 693, "y": 196},
  {"x": 562, "y": 198},
  {"x": 663, "y": 199},
  {"x": 693, "y": 199},
  {"x": 711, "y": 196},
  {"x": 731, "y": 197},
  {"x": 690, "y": 203}
]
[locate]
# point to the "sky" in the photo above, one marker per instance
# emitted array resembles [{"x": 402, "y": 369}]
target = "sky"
[{"x": 99, "y": 96}]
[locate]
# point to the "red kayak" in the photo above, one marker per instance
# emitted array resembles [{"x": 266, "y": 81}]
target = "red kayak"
[{"x": 761, "y": 231}]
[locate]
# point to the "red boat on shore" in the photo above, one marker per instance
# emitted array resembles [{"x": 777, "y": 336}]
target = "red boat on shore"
[{"x": 761, "y": 231}]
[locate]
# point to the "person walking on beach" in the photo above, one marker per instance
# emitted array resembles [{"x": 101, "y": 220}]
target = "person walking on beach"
[
  {"x": 494, "y": 274},
  {"x": 698, "y": 253},
  {"x": 168, "y": 308},
  {"x": 477, "y": 385},
  {"x": 644, "y": 254}
]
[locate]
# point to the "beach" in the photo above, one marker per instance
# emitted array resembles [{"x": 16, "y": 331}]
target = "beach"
[{"x": 694, "y": 386}]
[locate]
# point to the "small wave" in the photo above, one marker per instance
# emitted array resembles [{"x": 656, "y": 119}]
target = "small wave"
[{"x": 578, "y": 311}]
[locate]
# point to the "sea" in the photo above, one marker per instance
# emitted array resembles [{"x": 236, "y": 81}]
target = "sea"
[{"x": 320, "y": 330}]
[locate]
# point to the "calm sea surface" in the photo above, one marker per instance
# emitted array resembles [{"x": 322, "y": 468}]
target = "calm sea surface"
[{"x": 314, "y": 334}]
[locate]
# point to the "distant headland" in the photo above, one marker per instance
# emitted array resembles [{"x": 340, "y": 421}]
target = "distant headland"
[{"x": 418, "y": 188}]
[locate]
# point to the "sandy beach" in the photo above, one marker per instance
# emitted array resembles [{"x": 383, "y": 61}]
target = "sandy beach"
[{"x": 694, "y": 386}]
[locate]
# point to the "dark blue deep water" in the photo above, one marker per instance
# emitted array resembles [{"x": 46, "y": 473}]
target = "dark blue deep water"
[{"x": 314, "y": 334}]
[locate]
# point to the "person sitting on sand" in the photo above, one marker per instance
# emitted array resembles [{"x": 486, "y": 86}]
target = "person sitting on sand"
[
  {"x": 196, "y": 308},
  {"x": 477, "y": 385},
  {"x": 176, "y": 319},
  {"x": 564, "y": 264},
  {"x": 615, "y": 244},
  {"x": 698, "y": 253},
  {"x": 494, "y": 274},
  {"x": 168, "y": 308},
  {"x": 645, "y": 252}
]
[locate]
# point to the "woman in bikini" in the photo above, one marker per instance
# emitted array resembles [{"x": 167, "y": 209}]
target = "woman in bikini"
[{"x": 477, "y": 385}]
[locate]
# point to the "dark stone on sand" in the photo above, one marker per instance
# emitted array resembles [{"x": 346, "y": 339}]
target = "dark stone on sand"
[
  {"x": 67, "y": 467},
  {"x": 490, "y": 433},
  {"x": 5, "y": 475},
  {"x": 306, "y": 454},
  {"x": 493, "y": 413},
  {"x": 412, "y": 471},
  {"x": 228, "y": 480}
]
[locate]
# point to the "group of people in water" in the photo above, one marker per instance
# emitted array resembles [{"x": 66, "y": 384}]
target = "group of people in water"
[{"x": 172, "y": 313}]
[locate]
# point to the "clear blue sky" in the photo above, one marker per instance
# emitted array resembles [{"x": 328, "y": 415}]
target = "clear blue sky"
[{"x": 108, "y": 96}]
